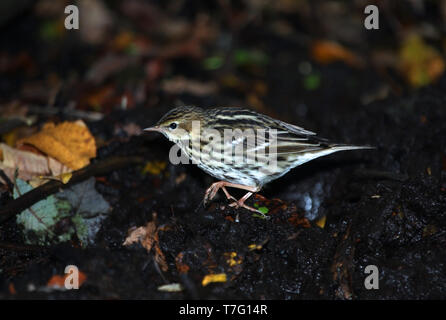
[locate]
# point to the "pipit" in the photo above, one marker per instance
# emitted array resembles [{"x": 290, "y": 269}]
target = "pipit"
[{"x": 242, "y": 148}]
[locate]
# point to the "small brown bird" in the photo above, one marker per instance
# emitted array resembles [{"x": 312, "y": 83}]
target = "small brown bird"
[{"x": 242, "y": 148}]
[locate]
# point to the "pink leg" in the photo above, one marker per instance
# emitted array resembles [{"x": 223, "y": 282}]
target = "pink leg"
[{"x": 213, "y": 189}]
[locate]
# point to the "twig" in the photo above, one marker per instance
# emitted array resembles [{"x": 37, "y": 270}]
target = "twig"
[
  {"x": 100, "y": 168},
  {"x": 21, "y": 247},
  {"x": 6, "y": 180}
]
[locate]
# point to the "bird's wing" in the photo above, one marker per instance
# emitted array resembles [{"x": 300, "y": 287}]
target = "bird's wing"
[
  {"x": 275, "y": 141},
  {"x": 293, "y": 128}
]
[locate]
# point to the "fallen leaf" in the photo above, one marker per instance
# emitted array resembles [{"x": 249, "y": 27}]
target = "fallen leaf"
[
  {"x": 326, "y": 52},
  {"x": 148, "y": 237},
  {"x": 420, "y": 63},
  {"x": 154, "y": 167},
  {"x": 231, "y": 259},
  {"x": 69, "y": 142},
  {"x": 180, "y": 178},
  {"x": 11, "y": 288},
  {"x": 254, "y": 246},
  {"x": 321, "y": 222},
  {"x": 29, "y": 164},
  {"x": 312, "y": 81},
  {"x": 213, "y": 63},
  {"x": 39, "y": 219},
  {"x": 64, "y": 178},
  {"x": 135, "y": 235},
  {"x": 58, "y": 281},
  {"x": 123, "y": 40},
  {"x": 172, "y": 287},
  {"x": 210, "y": 278},
  {"x": 80, "y": 205},
  {"x": 181, "y": 266}
]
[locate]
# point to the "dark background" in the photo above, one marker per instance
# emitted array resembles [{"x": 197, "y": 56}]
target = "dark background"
[{"x": 311, "y": 63}]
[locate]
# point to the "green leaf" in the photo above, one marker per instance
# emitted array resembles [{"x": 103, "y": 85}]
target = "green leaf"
[
  {"x": 50, "y": 30},
  {"x": 244, "y": 57},
  {"x": 81, "y": 204},
  {"x": 312, "y": 81},
  {"x": 213, "y": 63},
  {"x": 264, "y": 210},
  {"x": 39, "y": 220}
]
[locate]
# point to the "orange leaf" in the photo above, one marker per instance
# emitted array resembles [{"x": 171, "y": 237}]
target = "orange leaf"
[
  {"x": 69, "y": 142},
  {"x": 58, "y": 281},
  {"x": 181, "y": 266},
  {"x": 327, "y": 52},
  {"x": 11, "y": 288}
]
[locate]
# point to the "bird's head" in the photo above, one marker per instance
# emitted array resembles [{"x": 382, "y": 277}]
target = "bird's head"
[{"x": 177, "y": 124}]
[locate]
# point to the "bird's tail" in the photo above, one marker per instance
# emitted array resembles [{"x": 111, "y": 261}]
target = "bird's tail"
[{"x": 344, "y": 147}]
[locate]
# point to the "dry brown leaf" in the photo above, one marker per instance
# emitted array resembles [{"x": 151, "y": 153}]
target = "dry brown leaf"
[
  {"x": 29, "y": 164},
  {"x": 148, "y": 237},
  {"x": 69, "y": 142},
  {"x": 181, "y": 266}
]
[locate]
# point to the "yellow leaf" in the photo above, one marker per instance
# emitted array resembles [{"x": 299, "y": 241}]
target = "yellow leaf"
[
  {"x": 154, "y": 167},
  {"x": 69, "y": 142},
  {"x": 321, "y": 222},
  {"x": 10, "y": 138},
  {"x": 420, "y": 63},
  {"x": 230, "y": 259},
  {"x": 209, "y": 278},
  {"x": 65, "y": 177}
]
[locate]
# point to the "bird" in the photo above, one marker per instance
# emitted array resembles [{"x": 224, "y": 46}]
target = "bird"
[{"x": 259, "y": 148}]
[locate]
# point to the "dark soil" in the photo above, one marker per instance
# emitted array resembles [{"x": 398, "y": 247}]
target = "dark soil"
[{"x": 384, "y": 207}]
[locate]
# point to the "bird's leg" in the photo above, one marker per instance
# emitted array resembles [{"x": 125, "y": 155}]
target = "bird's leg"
[
  {"x": 213, "y": 189},
  {"x": 227, "y": 194},
  {"x": 241, "y": 202}
]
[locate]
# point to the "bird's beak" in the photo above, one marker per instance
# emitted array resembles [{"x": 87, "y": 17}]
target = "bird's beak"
[{"x": 155, "y": 128}]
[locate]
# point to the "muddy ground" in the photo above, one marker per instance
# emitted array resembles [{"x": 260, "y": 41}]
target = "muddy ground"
[{"x": 384, "y": 207}]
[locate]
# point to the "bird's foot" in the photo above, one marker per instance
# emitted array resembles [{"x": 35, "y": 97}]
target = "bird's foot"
[
  {"x": 213, "y": 189},
  {"x": 241, "y": 204}
]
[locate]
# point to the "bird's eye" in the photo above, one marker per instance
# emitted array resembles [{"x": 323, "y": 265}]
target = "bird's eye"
[{"x": 173, "y": 125}]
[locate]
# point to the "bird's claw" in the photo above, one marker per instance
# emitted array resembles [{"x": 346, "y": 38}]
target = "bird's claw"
[{"x": 239, "y": 204}]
